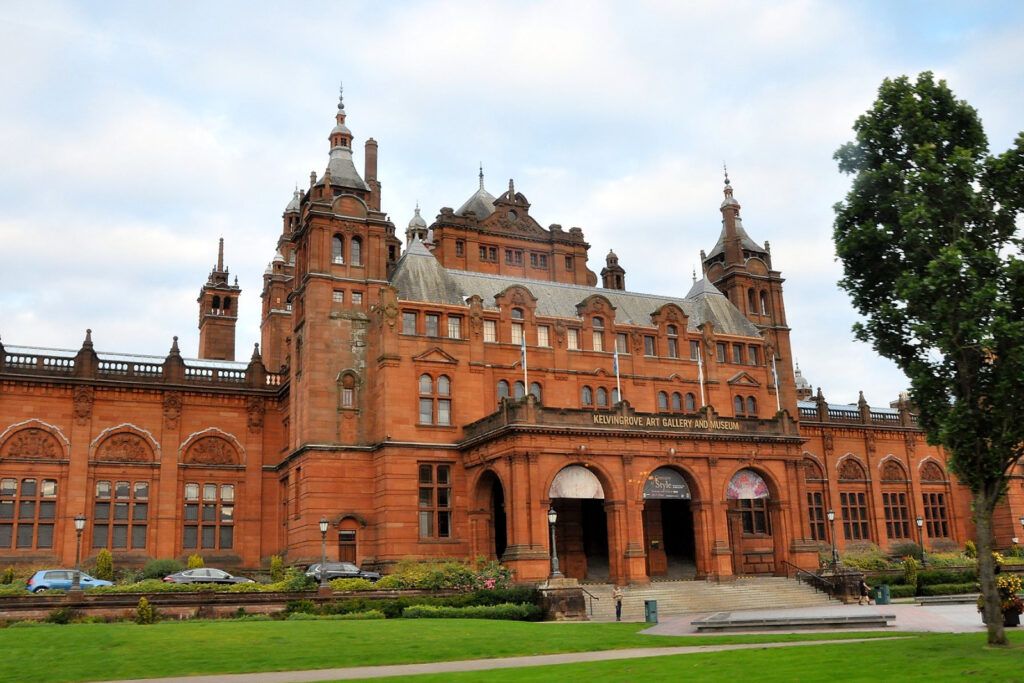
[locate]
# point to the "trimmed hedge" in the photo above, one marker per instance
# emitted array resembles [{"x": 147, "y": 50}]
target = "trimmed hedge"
[
  {"x": 503, "y": 611},
  {"x": 931, "y": 577},
  {"x": 948, "y": 589},
  {"x": 352, "y": 616},
  {"x": 903, "y": 591}
]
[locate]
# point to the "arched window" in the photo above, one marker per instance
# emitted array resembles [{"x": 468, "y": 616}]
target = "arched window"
[
  {"x": 737, "y": 404},
  {"x": 348, "y": 391},
  {"x": 615, "y": 396},
  {"x": 587, "y": 396},
  {"x": 934, "y": 487},
  {"x": 519, "y": 390},
  {"x": 748, "y": 492},
  {"x": 854, "y": 500},
  {"x": 751, "y": 300},
  {"x": 435, "y": 406},
  {"x": 764, "y": 303},
  {"x": 216, "y": 304},
  {"x": 602, "y": 397},
  {"x": 356, "y": 251},
  {"x": 338, "y": 249},
  {"x": 662, "y": 400},
  {"x": 535, "y": 390},
  {"x": 227, "y": 304},
  {"x": 751, "y": 405},
  {"x": 502, "y": 389},
  {"x": 517, "y": 314},
  {"x": 691, "y": 403},
  {"x": 894, "y": 500},
  {"x": 673, "y": 341},
  {"x": 677, "y": 401}
]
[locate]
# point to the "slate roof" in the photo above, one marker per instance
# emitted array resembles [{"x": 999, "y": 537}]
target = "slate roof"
[
  {"x": 745, "y": 241},
  {"x": 419, "y": 277}
]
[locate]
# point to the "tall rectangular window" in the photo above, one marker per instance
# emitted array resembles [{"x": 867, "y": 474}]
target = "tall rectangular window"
[
  {"x": 433, "y": 321},
  {"x": 209, "y": 516},
  {"x": 754, "y": 355},
  {"x": 816, "y": 514},
  {"x": 855, "y": 516},
  {"x": 935, "y": 519},
  {"x": 737, "y": 353},
  {"x": 357, "y": 298},
  {"x": 622, "y": 342},
  {"x": 120, "y": 515},
  {"x": 517, "y": 333},
  {"x": 460, "y": 248},
  {"x": 598, "y": 340},
  {"x": 490, "y": 331},
  {"x": 720, "y": 351},
  {"x": 543, "y": 335},
  {"x": 897, "y": 518},
  {"x": 27, "y": 512},
  {"x": 408, "y": 322},
  {"x": 754, "y": 515},
  {"x": 435, "y": 501},
  {"x": 339, "y": 296},
  {"x": 454, "y": 327},
  {"x": 694, "y": 350},
  {"x": 572, "y": 339},
  {"x": 569, "y": 263},
  {"x": 648, "y": 345}
]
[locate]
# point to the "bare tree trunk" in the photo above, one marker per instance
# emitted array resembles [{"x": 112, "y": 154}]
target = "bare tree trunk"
[{"x": 984, "y": 502}]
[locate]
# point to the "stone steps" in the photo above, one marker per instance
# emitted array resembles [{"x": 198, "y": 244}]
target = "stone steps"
[{"x": 689, "y": 597}]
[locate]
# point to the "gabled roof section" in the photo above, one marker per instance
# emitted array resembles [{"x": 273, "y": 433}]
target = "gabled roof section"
[
  {"x": 709, "y": 304},
  {"x": 419, "y": 277},
  {"x": 436, "y": 355},
  {"x": 745, "y": 241},
  {"x": 743, "y": 378}
]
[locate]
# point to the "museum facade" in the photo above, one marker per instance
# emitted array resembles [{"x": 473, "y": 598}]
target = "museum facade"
[{"x": 440, "y": 398}]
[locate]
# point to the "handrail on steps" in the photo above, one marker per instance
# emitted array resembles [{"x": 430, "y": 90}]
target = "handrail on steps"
[
  {"x": 817, "y": 581},
  {"x": 592, "y": 598}
]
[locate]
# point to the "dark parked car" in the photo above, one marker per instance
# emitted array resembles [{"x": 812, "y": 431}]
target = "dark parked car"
[
  {"x": 60, "y": 579},
  {"x": 205, "y": 575},
  {"x": 341, "y": 570}
]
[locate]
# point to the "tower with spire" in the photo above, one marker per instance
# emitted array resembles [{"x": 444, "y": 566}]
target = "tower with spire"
[
  {"x": 613, "y": 276},
  {"x": 218, "y": 312},
  {"x": 741, "y": 269}
]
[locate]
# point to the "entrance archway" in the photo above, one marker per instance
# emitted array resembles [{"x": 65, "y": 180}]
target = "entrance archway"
[
  {"x": 750, "y": 524},
  {"x": 577, "y": 496},
  {"x": 668, "y": 525},
  {"x": 492, "y": 527}
]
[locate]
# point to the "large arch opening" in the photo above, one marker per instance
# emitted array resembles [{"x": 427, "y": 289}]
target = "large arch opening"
[
  {"x": 668, "y": 525},
  {"x": 750, "y": 524},
  {"x": 492, "y": 527},
  {"x": 577, "y": 496}
]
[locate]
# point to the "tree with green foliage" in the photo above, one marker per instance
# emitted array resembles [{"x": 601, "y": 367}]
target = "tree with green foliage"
[
  {"x": 930, "y": 250},
  {"x": 276, "y": 568},
  {"x": 105, "y": 565}
]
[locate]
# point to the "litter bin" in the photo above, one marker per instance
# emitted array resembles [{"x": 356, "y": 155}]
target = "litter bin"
[
  {"x": 882, "y": 594},
  {"x": 651, "y": 611}
]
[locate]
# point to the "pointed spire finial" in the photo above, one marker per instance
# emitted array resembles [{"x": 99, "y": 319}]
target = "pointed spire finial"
[
  {"x": 256, "y": 351},
  {"x": 481, "y": 175},
  {"x": 341, "y": 96},
  {"x": 175, "y": 351},
  {"x": 87, "y": 344},
  {"x": 725, "y": 170},
  {"x": 695, "y": 275}
]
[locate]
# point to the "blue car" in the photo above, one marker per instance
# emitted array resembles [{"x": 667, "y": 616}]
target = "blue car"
[{"x": 60, "y": 579}]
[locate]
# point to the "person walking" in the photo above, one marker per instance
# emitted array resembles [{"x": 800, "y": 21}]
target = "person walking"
[
  {"x": 617, "y": 597},
  {"x": 865, "y": 596}
]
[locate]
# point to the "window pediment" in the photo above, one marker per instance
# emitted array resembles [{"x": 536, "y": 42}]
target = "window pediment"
[{"x": 435, "y": 355}]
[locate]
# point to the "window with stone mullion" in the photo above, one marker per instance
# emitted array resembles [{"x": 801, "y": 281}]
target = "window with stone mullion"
[{"x": 28, "y": 509}]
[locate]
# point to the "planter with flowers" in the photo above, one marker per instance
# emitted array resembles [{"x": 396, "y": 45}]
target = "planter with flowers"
[{"x": 1008, "y": 585}]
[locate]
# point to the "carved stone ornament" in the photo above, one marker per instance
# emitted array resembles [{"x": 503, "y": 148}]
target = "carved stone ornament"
[
  {"x": 891, "y": 471},
  {"x": 851, "y": 470},
  {"x": 476, "y": 316},
  {"x": 930, "y": 471},
  {"x": 32, "y": 443},
  {"x": 518, "y": 297},
  {"x": 911, "y": 441},
  {"x": 636, "y": 340},
  {"x": 828, "y": 443},
  {"x": 210, "y": 450},
  {"x": 812, "y": 470},
  {"x": 83, "y": 405},
  {"x": 387, "y": 304},
  {"x": 125, "y": 447},
  {"x": 871, "y": 444},
  {"x": 172, "y": 409},
  {"x": 256, "y": 408},
  {"x": 560, "y": 332}
]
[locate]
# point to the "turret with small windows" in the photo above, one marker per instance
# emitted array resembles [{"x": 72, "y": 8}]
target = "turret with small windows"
[{"x": 218, "y": 312}]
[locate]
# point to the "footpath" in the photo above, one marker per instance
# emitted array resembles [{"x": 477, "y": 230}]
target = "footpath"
[{"x": 909, "y": 618}]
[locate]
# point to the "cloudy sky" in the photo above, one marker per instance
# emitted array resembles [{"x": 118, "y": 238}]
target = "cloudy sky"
[{"x": 133, "y": 135}]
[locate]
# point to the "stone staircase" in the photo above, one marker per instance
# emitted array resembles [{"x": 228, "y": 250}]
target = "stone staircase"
[{"x": 690, "y": 597}]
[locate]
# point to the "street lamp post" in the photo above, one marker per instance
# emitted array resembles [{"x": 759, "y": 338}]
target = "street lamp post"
[
  {"x": 552, "y": 518},
  {"x": 831, "y": 514},
  {"x": 323, "y": 552},
  {"x": 920, "y": 534},
  {"x": 76, "y": 581}
]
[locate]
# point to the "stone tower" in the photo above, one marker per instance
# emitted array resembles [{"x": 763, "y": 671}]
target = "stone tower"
[{"x": 218, "y": 312}]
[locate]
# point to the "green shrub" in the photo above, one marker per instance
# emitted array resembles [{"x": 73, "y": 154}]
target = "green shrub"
[
  {"x": 905, "y": 549},
  {"x": 867, "y": 560},
  {"x": 158, "y": 569},
  {"x": 196, "y": 562},
  {"x": 254, "y": 617},
  {"x": 951, "y": 559},
  {"x": 144, "y": 586},
  {"x": 276, "y": 569},
  {"x": 352, "y": 584},
  {"x": 244, "y": 588},
  {"x": 61, "y": 615},
  {"x": 13, "y": 589},
  {"x": 503, "y": 611},
  {"x": 391, "y": 582},
  {"x": 948, "y": 588},
  {"x": 7, "y": 577},
  {"x": 104, "y": 565},
  {"x": 295, "y": 580},
  {"x": 887, "y": 579},
  {"x": 910, "y": 571},
  {"x": 902, "y": 591},
  {"x": 931, "y": 577},
  {"x": 970, "y": 550},
  {"x": 145, "y": 613},
  {"x": 359, "y": 616},
  {"x": 300, "y": 606}
]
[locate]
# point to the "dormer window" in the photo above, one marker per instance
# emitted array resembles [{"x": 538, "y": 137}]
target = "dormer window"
[
  {"x": 598, "y": 334},
  {"x": 517, "y": 314},
  {"x": 673, "y": 341}
]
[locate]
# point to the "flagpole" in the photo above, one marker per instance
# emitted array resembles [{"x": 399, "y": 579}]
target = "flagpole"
[
  {"x": 618, "y": 384},
  {"x": 775, "y": 378},
  {"x": 700, "y": 375},
  {"x": 526, "y": 379}
]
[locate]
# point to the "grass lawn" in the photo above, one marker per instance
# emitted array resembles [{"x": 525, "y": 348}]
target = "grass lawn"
[
  {"x": 81, "y": 652},
  {"x": 921, "y": 657}
]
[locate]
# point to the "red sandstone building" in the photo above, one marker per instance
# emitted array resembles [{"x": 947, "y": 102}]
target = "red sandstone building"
[{"x": 437, "y": 401}]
